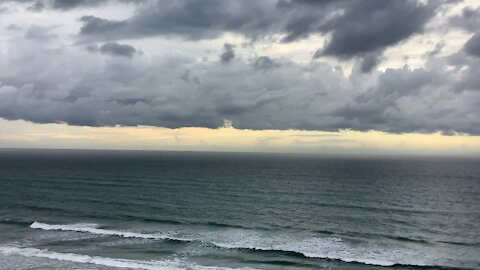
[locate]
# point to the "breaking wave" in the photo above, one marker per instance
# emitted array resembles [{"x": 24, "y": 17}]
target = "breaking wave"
[
  {"x": 175, "y": 264},
  {"x": 332, "y": 248}
]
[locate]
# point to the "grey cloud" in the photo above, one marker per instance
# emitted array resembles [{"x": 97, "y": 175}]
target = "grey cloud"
[
  {"x": 375, "y": 24},
  {"x": 466, "y": 68},
  {"x": 382, "y": 104},
  {"x": 228, "y": 53},
  {"x": 116, "y": 49},
  {"x": 94, "y": 24},
  {"x": 40, "y": 32},
  {"x": 189, "y": 19},
  {"x": 468, "y": 77},
  {"x": 367, "y": 28},
  {"x": 264, "y": 63},
  {"x": 469, "y": 19},
  {"x": 46, "y": 82},
  {"x": 315, "y": 135},
  {"x": 370, "y": 61},
  {"x": 13, "y": 27},
  {"x": 472, "y": 47},
  {"x": 69, "y": 4},
  {"x": 438, "y": 48},
  {"x": 358, "y": 28},
  {"x": 161, "y": 91},
  {"x": 39, "y": 5}
]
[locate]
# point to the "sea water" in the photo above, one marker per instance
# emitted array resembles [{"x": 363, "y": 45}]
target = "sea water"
[{"x": 66, "y": 209}]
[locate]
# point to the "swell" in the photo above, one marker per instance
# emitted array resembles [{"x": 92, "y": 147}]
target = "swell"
[
  {"x": 393, "y": 209},
  {"x": 15, "y": 222},
  {"x": 122, "y": 217},
  {"x": 151, "y": 220},
  {"x": 470, "y": 244},
  {"x": 378, "y": 235},
  {"x": 394, "y": 237},
  {"x": 93, "y": 229},
  {"x": 187, "y": 222}
]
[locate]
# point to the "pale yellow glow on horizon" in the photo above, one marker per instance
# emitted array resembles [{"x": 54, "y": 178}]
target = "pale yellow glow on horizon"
[{"x": 21, "y": 134}]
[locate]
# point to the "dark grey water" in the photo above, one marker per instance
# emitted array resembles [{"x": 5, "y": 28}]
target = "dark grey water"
[{"x": 165, "y": 210}]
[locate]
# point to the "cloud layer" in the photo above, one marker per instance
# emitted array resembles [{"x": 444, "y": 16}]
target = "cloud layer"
[
  {"x": 357, "y": 28},
  {"x": 95, "y": 76}
]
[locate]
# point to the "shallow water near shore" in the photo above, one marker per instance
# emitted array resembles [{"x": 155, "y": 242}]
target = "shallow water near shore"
[{"x": 186, "y": 210}]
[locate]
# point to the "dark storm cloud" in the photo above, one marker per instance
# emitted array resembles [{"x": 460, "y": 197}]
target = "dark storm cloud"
[
  {"x": 472, "y": 47},
  {"x": 228, "y": 53},
  {"x": 358, "y": 28},
  {"x": 367, "y": 28},
  {"x": 45, "y": 81},
  {"x": 372, "y": 25},
  {"x": 189, "y": 19},
  {"x": 177, "y": 91}
]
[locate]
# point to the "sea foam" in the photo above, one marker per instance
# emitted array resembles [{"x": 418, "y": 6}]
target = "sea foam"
[
  {"x": 314, "y": 247},
  {"x": 174, "y": 264}
]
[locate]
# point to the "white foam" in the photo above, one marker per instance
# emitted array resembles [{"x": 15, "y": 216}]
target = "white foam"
[
  {"x": 323, "y": 248},
  {"x": 176, "y": 264},
  {"x": 313, "y": 247}
]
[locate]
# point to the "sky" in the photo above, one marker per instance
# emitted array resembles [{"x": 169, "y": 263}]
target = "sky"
[{"x": 316, "y": 76}]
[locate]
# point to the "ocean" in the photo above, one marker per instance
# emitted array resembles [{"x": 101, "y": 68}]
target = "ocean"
[{"x": 70, "y": 209}]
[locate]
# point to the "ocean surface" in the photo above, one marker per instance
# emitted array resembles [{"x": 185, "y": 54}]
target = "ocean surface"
[{"x": 185, "y": 210}]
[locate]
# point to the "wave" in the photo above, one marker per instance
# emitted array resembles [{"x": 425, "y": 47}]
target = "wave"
[
  {"x": 187, "y": 222},
  {"x": 231, "y": 240},
  {"x": 384, "y": 236},
  {"x": 467, "y": 244},
  {"x": 331, "y": 248},
  {"x": 106, "y": 261},
  {"x": 152, "y": 220},
  {"x": 93, "y": 229}
]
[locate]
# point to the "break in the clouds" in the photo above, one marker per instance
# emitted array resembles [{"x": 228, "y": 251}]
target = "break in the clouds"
[{"x": 203, "y": 62}]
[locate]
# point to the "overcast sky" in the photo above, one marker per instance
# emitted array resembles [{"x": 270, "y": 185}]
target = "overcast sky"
[{"x": 317, "y": 65}]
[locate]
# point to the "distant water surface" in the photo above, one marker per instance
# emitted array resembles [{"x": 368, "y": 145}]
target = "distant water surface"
[{"x": 181, "y": 210}]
